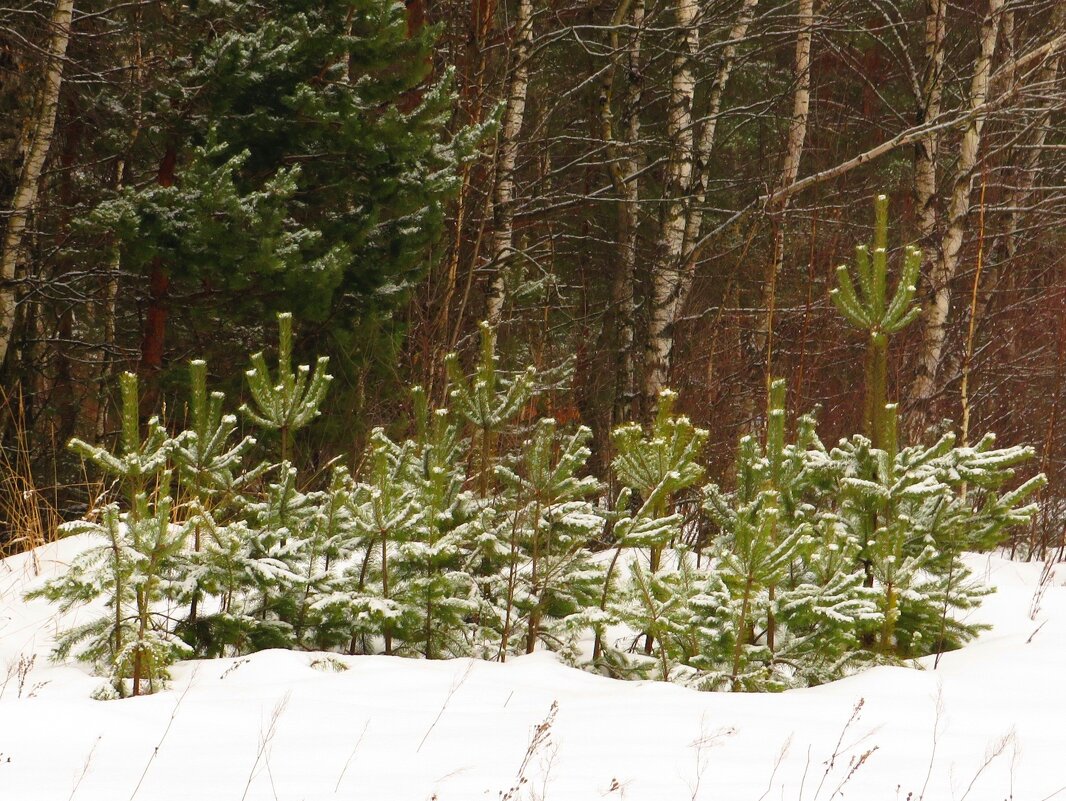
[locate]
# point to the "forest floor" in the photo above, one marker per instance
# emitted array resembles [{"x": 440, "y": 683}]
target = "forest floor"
[{"x": 988, "y": 723}]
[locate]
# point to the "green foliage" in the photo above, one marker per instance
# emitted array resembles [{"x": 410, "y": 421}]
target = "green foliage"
[
  {"x": 546, "y": 519},
  {"x": 488, "y": 400},
  {"x": 438, "y": 588},
  {"x": 653, "y": 468},
  {"x": 914, "y": 513},
  {"x": 871, "y": 310},
  {"x": 293, "y": 400},
  {"x": 820, "y": 560},
  {"x": 209, "y": 226},
  {"x": 306, "y": 161},
  {"x": 209, "y": 461},
  {"x": 138, "y": 461},
  {"x": 826, "y": 560},
  {"x": 790, "y": 595},
  {"x": 132, "y": 563}
]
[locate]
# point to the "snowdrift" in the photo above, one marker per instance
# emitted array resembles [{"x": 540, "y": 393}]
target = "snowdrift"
[{"x": 985, "y": 723}]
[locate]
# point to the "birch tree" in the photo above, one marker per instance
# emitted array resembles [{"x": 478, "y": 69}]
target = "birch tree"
[
  {"x": 624, "y": 166},
  {"x": 708, "y": 134},
  {"x": 929, "y": 103},
  {"x": 507, "y": 158},
  {"x": 934, "y": 328},
  {"x": 666, "y": 277},
  {"x": 26, "y": 192},
  {"x": 690, "y": 166},
  {"x": 797, "y": 135}
]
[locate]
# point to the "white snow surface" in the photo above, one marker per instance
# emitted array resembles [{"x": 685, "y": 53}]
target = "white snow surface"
[{"x": 989, "y": 723}]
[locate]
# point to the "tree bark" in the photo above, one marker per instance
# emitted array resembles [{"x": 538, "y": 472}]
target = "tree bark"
[
  {"x": 624, "y": 164},
  {"x": 1011, "y": 78},
  {"x": 762, "y": 345},
  {"x": 934, "y": 327},
  {"x": 155, "y": 324},
  {"x": 26, "y": 191},
  {"x": 928, "y": 146},
  {"x": 708, "y": 132},
  {"x": 666, "y": 276},
  {"x": 506, "y": 159}
]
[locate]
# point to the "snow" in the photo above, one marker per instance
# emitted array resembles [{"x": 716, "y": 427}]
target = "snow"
[{"x": 985, "y": 724}]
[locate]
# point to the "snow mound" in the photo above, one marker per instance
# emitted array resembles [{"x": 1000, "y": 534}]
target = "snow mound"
[{"x": 983, "y": 723}]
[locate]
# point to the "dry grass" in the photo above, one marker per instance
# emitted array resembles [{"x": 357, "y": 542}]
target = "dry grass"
[
  {"x": 29, "y": 510},
  {"x": 28, "y": 518}
]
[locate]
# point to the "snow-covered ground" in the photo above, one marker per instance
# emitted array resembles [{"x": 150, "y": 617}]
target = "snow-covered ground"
[{"x": 988, "y": 723}]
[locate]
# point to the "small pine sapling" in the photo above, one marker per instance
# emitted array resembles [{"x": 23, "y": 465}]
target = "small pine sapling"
[
  {"x": 384, "y": 514},
  {"x": 209, "y": 461},
  {"x": 281, "y": 539},
  {"x": 653, "y": 468},
  {"x": 550, "y": 521},
  {"x": 432, "y": 581},
  {"x": 209, "y": 464},
  {"x": 879, "y": 501},
  {"x": 325, "y": 536},
  {"x": 133, "y": 569},
  {"x": 869, "y": 309},
  {"x": 657, "y": 466},
  {"x": 139, "y": 462},
  {"x": 759, "y": 543},
  {"x": 929, "y": 504},
  {"x": 488, "y": 400},
  {"x": 291, "y": 402}
]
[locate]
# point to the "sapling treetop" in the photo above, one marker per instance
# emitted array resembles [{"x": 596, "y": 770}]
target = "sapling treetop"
[
  {"x": 294, "y": 399},
  {"x": 870, "y": 309}
]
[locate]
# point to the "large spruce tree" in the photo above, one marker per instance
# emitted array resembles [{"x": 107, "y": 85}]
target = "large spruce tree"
[{"x": 300, "y": 163}]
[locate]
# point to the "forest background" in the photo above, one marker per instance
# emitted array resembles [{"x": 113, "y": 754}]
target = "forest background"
[{"x": 639, "y": 194}]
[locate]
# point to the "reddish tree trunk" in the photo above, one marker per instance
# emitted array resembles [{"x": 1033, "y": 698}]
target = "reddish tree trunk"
[
  {"x": 155, "y": 323},
  {"x": 416, "y": 21},
  {"x": 416, "y": 16}
]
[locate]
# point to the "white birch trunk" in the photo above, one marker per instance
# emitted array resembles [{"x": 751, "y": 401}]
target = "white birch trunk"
[
  {"x": 625, "y": 165},
  {"x": 801, "y": 97},
  {"x": 694, "y": 223},
  {"x": 506, "y": 157},
  {"x": 929, "y": 145},
  {"x": 934, "y": 327},
  {"x": 927, "y": 149},
  {"x": 666, "y": 274},
  {"x": 29, "y": 180},
  {"x": 1005, "y": 249},
  {"x": 797, "y": 135}
]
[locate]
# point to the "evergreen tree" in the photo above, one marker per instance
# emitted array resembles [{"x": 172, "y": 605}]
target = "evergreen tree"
[
  {"x": 434, "y": 582},
  {"x": 787, "y": 596},
  {"x": 653, "y": 468},
  {"x": 210, "y": 464},
  {"x": 385, "y": 513},
  {"x": 488, "y": 400},
  {"x": 871, "y": 310},
  {"x": 134, "y": 568},
  {"x": 912, "y": 511},
  {"x": 290, "y": 156},
  {"x": 546, "y": 514},
  {"x": 291, "y": 402},
  {"x": 656, "y": 466}
]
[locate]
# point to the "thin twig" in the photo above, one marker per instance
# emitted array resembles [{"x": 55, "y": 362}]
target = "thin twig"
[
  {"x": 936, "y": 735},
  {"x": 166, "y": 731},
  {"x": 84, "y": 769},
  {"x": 264, "y": 741},
  {"x": 455, "y": 686},
  {"x": 351, "y": 756}
]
